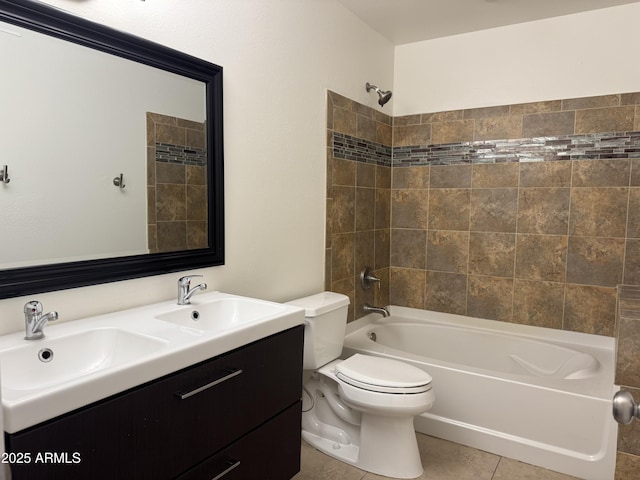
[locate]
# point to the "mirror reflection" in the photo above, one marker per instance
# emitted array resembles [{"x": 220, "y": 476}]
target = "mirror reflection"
[{"x": 106, "y": 156}]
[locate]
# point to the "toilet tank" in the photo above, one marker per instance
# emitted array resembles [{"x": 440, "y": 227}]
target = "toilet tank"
[{"x": 325, "y": 324}]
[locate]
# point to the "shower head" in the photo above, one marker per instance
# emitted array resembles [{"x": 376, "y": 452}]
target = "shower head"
[{"x": 384, "y": 96}]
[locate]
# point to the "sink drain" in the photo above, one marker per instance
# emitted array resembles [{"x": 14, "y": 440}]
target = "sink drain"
[
  {"x": 45, "y": 355},
  {"x": 195, "y": 315}
]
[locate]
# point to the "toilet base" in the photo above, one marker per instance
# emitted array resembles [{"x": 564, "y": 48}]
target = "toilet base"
[{"x": 384, "y": 445}]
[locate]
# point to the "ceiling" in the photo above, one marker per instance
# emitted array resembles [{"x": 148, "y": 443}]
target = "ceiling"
[{"x": 408, "y": 21}]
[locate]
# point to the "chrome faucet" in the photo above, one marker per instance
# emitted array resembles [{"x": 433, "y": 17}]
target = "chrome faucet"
[
  {"x": 383, "y": 310},
  {"x": 185, "y": 292},
  {"x": 34, "y": 320}
]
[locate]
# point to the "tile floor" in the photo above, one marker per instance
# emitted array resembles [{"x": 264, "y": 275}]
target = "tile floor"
[{"x": 443, "y": 460}]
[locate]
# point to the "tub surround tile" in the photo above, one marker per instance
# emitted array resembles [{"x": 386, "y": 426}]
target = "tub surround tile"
[
  {"x": 538, "y": 303},
  {"x": 633, "y": 220},
  {"x": 544, "y": 210},
  {"x": 590, "y": 309},
  {"x": 494, "y": 175},
  {"x": 409, "y": 248},
  {"x": 448, "y": 251},
  {"x": 632, "y": 262},
  {"x": 600, "y": 212},
  {"x": 455, "y": 176},
  {"x": 595, "y": 260},
  {"x": 407, "y": 287},
  {"x": 628, "y": 352},
  {"x": 446, "y": 292},
  {"x": 494, "y": 210},
  {"x": 449, "y": 209},
  {"x": 545, "y": 174},
  {"x": 409, "y": 209},
  {"x": 490, "y": 297},
  {"x": 541, "y": 257},
  {"x": 613, "y": 119},
  {"x": 491, "y": 254},
  {"x": 567, "y": 193},
  {"x": 605, "y": 173},
  {"x": 548, "y": 124},
  {"x": 411, "y": 177}
]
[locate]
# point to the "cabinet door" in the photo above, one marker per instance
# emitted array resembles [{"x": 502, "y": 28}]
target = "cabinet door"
[{"x": 161, "y": 429}]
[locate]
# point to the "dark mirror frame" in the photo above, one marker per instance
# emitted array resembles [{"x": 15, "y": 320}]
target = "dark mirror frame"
[{"x": 59, "y": 276}]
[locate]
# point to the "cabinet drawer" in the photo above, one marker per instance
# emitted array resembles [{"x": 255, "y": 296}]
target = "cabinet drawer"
[
  {"x": 272, "y": 452},
  {"x": 163, "y": 428}
]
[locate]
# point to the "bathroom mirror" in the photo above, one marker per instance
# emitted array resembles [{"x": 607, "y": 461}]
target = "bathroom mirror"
[{"x": 111, "y": 154}]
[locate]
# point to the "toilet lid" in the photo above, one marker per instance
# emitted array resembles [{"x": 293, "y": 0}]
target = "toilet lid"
[{"x": 383, "y": 375}]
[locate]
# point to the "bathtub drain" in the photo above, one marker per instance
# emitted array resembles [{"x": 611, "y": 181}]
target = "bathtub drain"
[{"x": 372, "y": 336}]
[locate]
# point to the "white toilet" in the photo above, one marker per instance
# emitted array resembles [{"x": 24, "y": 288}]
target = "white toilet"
[{"x": 361, "y": 409}]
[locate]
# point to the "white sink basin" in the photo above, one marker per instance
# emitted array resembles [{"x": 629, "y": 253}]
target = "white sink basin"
[
  {"x": 222, "y": 314},
  {"x": 43, "y": 363}
]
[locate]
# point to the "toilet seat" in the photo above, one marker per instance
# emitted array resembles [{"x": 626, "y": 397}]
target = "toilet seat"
[{"x": 382, "y": 375}]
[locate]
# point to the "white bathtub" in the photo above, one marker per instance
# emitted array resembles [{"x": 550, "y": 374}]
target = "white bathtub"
[{"x": 538, "y": 395}]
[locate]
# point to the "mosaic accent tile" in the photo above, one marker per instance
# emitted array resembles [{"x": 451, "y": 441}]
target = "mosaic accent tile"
[
  {"x": 536, "y": 149},
  {"x": 361, "y": 150},
  {"x": 169, "y": 153}
]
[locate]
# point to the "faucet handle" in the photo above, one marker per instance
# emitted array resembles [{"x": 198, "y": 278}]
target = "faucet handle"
[
  {"x": 186, "y": 280},
  {"x": 33, "y": 307},
  {"x": 367, "y": 278}
]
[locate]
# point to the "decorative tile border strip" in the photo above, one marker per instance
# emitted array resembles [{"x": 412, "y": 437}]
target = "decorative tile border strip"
[
  {"x": 360, "y": 150},
  {"x": 568, "y": 147},
  {"x": 180, "y": 154}
]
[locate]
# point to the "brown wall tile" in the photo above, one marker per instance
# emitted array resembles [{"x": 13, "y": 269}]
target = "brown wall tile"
[
  {"x": 451, "y": 176},
  {"x": 541, "y": 257},
  {"x": 543, "y": 210},
  {"x": 498, "y": 128},
  {"x": 365, "y": 208},
  {"x": 591, "y": 102},
  {"x": 409, "y": 209},
  {"x": 595, "y": 261},
  {"x": 411, "y": 177},
  {"x": 590, "y": 309},
  {"x": 409, "y": 248},
  {"x": 406, "y": 287},
  {"x": 412, "y": 135},
  {"x": 538, "y": 303},
  {"x": 612, "y": 119},
  {"x": 343, "y": 214},
  {"x": 365, "y": 175},
  {"x": 489, "y": 297},
  {"x": 545, "y": 174},
  {"x": 536, "y": 107},
  {"x": 446, "y": 292},
  {"x": 444, "y": 201},
  {"x": 632, "y": 262},
  {"x": 491, "y": 254},
  {"x": 603, "y": 173},
  {"x": 600, "y": 212},
  {"x": 452, "y": 132},
  {"x": 495, "y": 175},
  {"x": 448, "y": 251},
  {"x": 553, "y": 123},
  {"x": 342, "y": 256},
  {"x": 494, "y": 209}
]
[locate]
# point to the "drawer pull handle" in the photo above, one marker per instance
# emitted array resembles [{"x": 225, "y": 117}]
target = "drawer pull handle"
[
  {"x": 232, "y": 374},
  {"x": 231, "y": 467}
]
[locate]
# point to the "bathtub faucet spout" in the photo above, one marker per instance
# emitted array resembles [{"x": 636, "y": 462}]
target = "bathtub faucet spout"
[{"x": 382, "y": 310}]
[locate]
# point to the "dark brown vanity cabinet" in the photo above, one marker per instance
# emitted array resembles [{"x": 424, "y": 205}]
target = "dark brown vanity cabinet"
[{"x": 236, "y": 416}]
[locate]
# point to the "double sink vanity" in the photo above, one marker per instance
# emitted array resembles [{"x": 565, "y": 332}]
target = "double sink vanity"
[{"x": 205, "y": 390}]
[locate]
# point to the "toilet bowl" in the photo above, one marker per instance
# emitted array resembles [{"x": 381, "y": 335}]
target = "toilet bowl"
[{"x": 359, "y": 410}]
